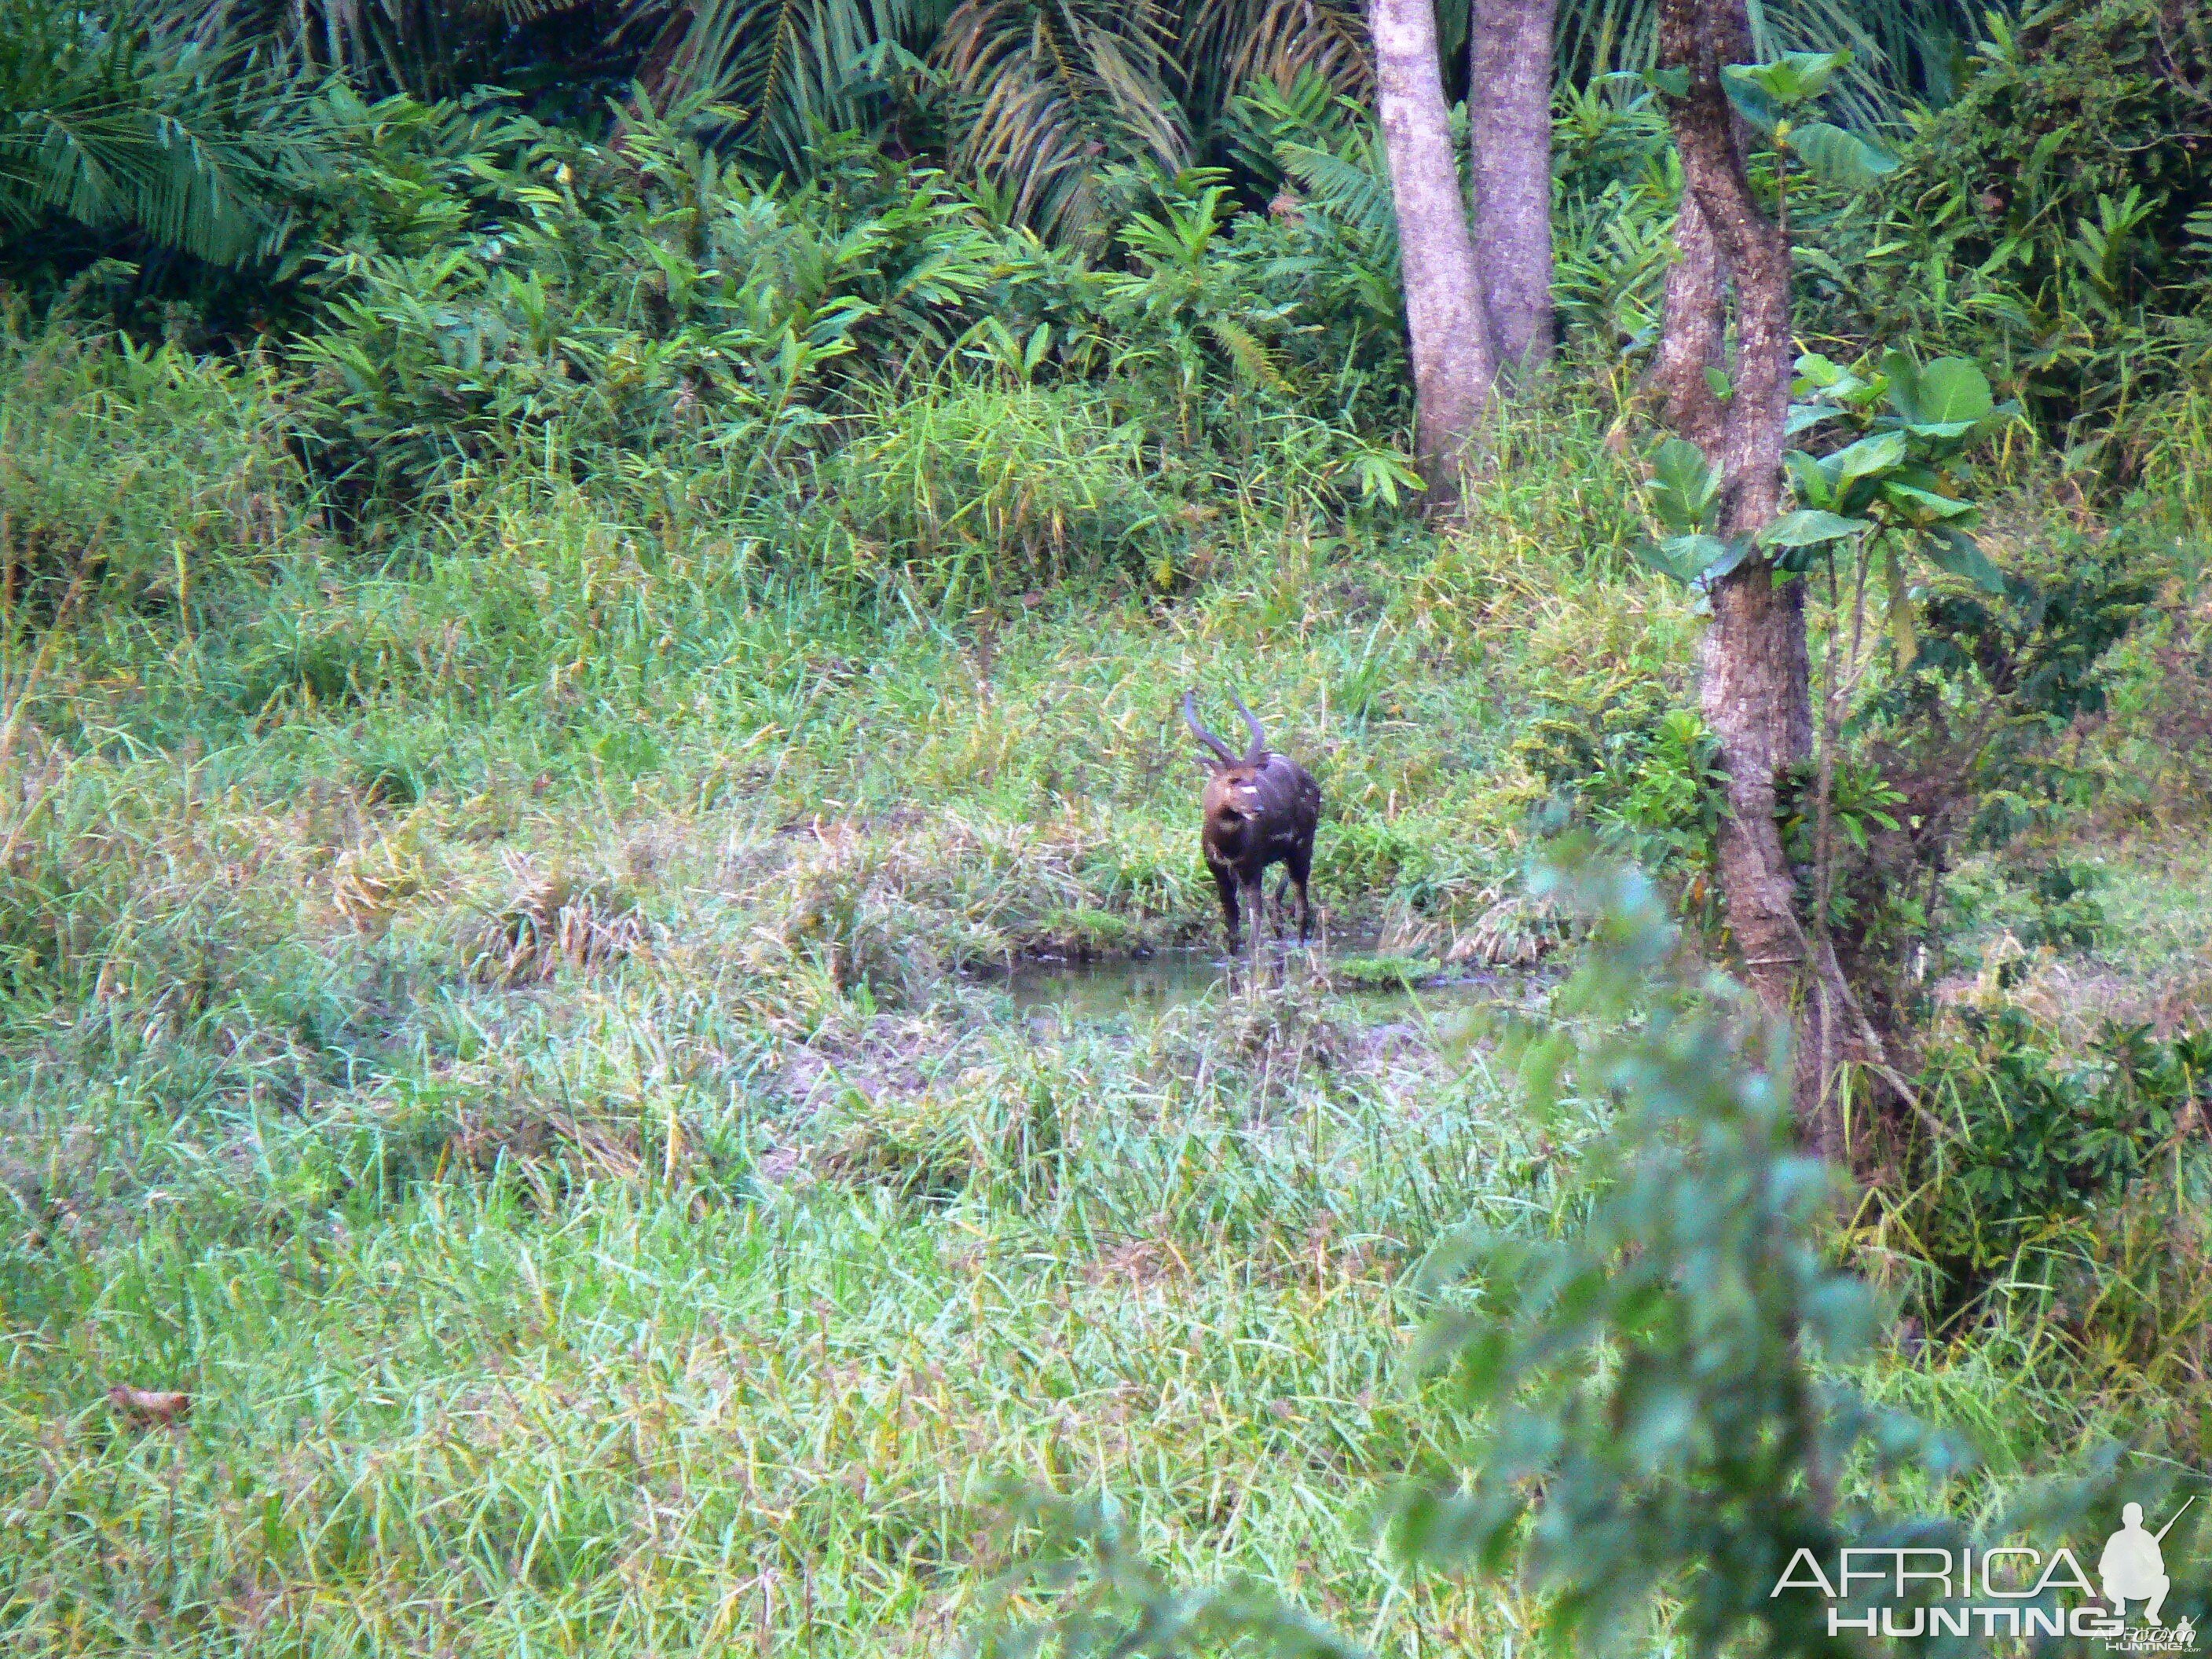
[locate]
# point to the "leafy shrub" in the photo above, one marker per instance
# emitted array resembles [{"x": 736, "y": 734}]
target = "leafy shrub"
[
  {"x": 2076, "y": 1181},
  {"x": 1626, "y": 762},
  {"x": 2067, "y": 916},
  {"x": 2049, "y": 218},
  {"x": 603, "y": 302},
  {"x": 977, "y": 491},
  {"x": 1615, "y": 186},
  {"x": 1962, "y": 746},
  {"x": 2041, "y": 1138}
]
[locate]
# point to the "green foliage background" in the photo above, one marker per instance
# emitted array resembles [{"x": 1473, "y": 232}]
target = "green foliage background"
[{"x": 554, "y": 641}]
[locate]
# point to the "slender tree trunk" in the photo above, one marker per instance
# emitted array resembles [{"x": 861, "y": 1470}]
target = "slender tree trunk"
[
  {"x": 1454, "y": 366},
  {"x": 1693, "y": 327},
  {"x": 1509, "y": 114},
  {"x": 1756, "y": 683}
]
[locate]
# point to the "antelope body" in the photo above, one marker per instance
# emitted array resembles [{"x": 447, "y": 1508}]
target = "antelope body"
[{"x": 1260, "y": 809}]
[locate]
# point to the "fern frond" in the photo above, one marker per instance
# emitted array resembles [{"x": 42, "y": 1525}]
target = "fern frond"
[
  {"x": 1248, "y": 353},
  {"x": 1351, "y": 191}
]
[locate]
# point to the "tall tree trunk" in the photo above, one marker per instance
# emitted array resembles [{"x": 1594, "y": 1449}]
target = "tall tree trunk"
[
  {"x": 1454, "y": 366},
  {"x": 1756, "y": 683},
  {"x": 1693, "y": 326},
  {"x": 1509, "y": 114}
]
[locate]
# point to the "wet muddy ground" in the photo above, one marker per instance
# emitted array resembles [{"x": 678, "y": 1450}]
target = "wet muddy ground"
[{"x": 1142, "y": 988}]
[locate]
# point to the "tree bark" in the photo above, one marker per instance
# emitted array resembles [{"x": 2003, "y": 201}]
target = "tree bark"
[
  {"x": 1692, "y": 330},
  {"x": 1756, "y": 685},
  {"x": 1509, "y": 114},
  {"x": 1693, "y": 323},
  {"x": 1454, "y": 366}
]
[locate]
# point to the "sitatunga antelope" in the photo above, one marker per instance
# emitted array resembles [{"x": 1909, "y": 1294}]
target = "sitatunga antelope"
[{"x": 1260, "y": 809}]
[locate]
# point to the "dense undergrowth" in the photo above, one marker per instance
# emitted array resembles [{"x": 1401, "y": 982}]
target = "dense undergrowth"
[{"x": 532, "y": 726}]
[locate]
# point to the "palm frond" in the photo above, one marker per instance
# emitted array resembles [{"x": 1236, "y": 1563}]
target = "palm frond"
[
  {"x": 796, "y": 68},
  {"x": 1226, "y": 45},
  {"x": 124, "y": 123},
  {"x": 428, "y": 48},
  {"x": 1054, "y": 91}
]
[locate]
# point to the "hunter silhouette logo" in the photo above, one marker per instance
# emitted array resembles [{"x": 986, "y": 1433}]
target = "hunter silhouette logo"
[
  {"x": 2007, "y": 1590},
  {"x": 2132, "y": 1567}
]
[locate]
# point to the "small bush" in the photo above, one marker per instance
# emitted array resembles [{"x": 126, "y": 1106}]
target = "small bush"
[
  {"x": 979, "y": 492},
  {"x": 2068, "y": 1192},
  {"x": 2062, "y": 198},
  {"x": 141, "y": 474}
]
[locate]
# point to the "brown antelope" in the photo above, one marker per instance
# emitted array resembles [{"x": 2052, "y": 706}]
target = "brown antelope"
[{"x": 1260, "y": 809}]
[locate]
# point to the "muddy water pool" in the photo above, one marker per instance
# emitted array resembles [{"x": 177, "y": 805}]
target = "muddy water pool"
[{"x": 1141, "y": 989}]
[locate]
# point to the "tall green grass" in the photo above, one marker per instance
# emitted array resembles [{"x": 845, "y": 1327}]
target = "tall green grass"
[{"x": 482, "y": 1016}]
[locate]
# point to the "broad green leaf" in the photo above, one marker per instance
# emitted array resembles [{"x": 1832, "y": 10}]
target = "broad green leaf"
[
  {"x": 1840, "y": 158},
  {"x": 1952, "y": 390},
  {"x": 1683, "y": 557},
  {"x": 1808, "y": 528},
  {"x": 1792, "y": 77},
  {"x": 1682, "y": 486},
  {"x": 1902, "y": 374},
  {"x": 1804, "y": 416},
  {"x": 1920, "y": 477},
  {"x": 1864, "y": 458},
  {"x": 1819, "y": 370},
  {"x": 1723, "y": 388},
  {"x": 1811, "y": 483},
  {"x": 1729, "y": 555},
  {"x": 1803, "y": 75},
  {"x": 1833, "y": 382},
  {"x": 1751, "y": 101},
  {"x": 1959, "y": 553},
  {"x": 1674, "y": 82},
  {"x": 1655, "y": 555},
  {"x": 1924, "y": 504},
  {"x": 1806, "y": 477}
]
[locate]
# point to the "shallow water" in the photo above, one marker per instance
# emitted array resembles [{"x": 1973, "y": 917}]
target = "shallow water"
[{"x": 1144, "y": 988}]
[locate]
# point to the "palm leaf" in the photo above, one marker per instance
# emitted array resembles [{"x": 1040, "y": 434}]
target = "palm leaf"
[
  {"x": 1349, "y": 189},
  {"x": 796, "y": 68},
  {"x": 125, "y": 124},
  {"x": 1226, "y": 45},
  {"x": 427, "y": 48},
  {"x": 1054, "y": 89}
]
